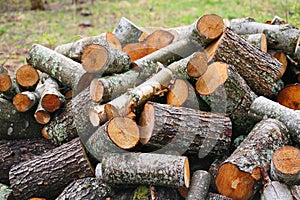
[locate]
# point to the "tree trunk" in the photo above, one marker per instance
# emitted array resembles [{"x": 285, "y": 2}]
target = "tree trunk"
[
  {"x": 262, "y": 107},
  {"x": 86, "y": 188},
  {"x": 8, "y": 86},
  {"x": 260, "y": 70},
  {"x": 199, "y": 185},
  {"x": 27, "y": 77},
  {"x": 16, "y": 125},
  {"x": 285, "y": 165},
  {"x": 276, "y": 190},
  {"x": 26, "y": 100},
  {"x": 165, "y": 128},
  {"x": 51, "y": 171},
  {"x": 239, "y": 177},
  {"x": 146, "y": 168},
  {"x": 259, "y": 40},
  {"x": 15, "y": 151},
  {"x": 37, "y": 5},
  {"x": 5, "y": 192},
  {"x": 289, "y": 96}
]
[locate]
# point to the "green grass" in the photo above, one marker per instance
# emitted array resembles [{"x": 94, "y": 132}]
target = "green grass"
[{"x": 20, "y": 27}]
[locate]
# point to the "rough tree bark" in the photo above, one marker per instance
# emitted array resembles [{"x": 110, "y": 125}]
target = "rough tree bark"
[
  {"x": 276, "y": 190},
  {"x": 5, "y": 192},
  {"x": 199, "y": 185}
]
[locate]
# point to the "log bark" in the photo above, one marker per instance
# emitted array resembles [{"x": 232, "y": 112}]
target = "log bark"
[
  {"x": 86, "y": 188},
  {"x": 51, "y": 171},
  {"x": 57, "y": 66},
  {"x": 239, "y": 177},
  {"x": 260, "y": 70},
  {"x": 5, "y": 192},
  {"x": 27, "y": 77},
  {"x": 16, "y": 125},
  {"x": 289, "y": 96},
  {"x": 276, "y": 190},
  {"x": 146, "y": 168},
  {"x": 295, "y": 190},
  {"x": 199, "y": 185},
  {"x": 103, "y": 59},
  {"x": 214, "y": 196},
  {"x": 3, "y": 70},
  {"x": 263, "y": 107},
  {"x": 285, "y": 165},
  {"x": 24, "y": 101},
  {"x": 259, "y": 40},
  {"x": 234, "y": 91},
  {"x": 8, "y": 86},
  {"x": 165, "y": 128},
  {"x": 15, "y": 151}
]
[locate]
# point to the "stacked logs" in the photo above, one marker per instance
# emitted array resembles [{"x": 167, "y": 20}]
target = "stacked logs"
[{"x": 202, "y": 111}]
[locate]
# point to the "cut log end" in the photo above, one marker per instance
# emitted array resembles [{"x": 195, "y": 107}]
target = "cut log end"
[
  {"x": 42, "y": 117},
  {"x": 159, "y": 39},
  {"x": 94, "y": 58},
  {"x": 197, "y": 65},
  {"x": 290, "y": 96},
  {"x": 51, "y": 102},
  {"x": 281, "y": 57},
  {"x": 234, "y": 183},
  {"x": 45, "y": 134},
  {"x": 5, "y": 82},
  {"x": 22, "y": 102},
  {"x": 27, "y": 76},
  {"x": 215, "y": 76},
  {"x": 263, "y": 43},
  {"x": 124, "y": 132},
  {"x": 187, "y": 173},
  {"x": 178, "y": 93},
  {"x": 96, "y": 90},
  {"x": 113, "y": 41},
  {"x": 96, "y": 114},
  {"x": 146, "y": 123},
  {"x": 137, "y": 50},
  {"x": 211, "y": 26}
]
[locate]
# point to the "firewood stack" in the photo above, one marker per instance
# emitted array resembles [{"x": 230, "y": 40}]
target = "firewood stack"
[{"x": 208, "y": 110}]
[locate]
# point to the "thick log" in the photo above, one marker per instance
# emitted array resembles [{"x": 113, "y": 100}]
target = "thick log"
[
  {"x": 58, "y": 66},
  {"x": 27, "y": 77},
  {"x": 289, "y": 96},
  {"x": 26, "y": 100},
  {"x": 72, "y": 121},
  {"x": 103, "y": 59},
  {"x": 239, "y": 177},
  {"x": 276, "y": 190},
  {"x": 231, "y": 95},
  {"x": 295, "y": 190},
  {"x": 86, "y": 188},
  {"x": 146, "y": 168},
  {"x": 138, "y": 50},
  {"x": 15, "y": 151},
  {"x": 259, "y": 40},
  {"x": 214, "y": 196},
  {"x": 213, "y": 170},
  {"x": 74, "y": 50},
  {"x": 260, "y": 70},
  {"x": 8, "y": 86},
  {"x": 16, "y": 125},
  {"x": 165, "y": 128},
  {"x": 5, "y": 192},
  {"x": 51, "y": 171},
  {"x": 199, "y": 185},
  {"x": 285, "y": 165},
  {"x": 263, "y": 107}
]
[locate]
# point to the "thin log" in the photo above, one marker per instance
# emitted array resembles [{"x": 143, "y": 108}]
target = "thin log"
[
  {"x": 24, "y": 101},
  {"x": 8, "y": 86},
  {"x": 295, "y": 190},
  {"x": 86, "y": 188},
  {"x": 260, "y": 70},
  {"x": 41, "y": 115},
  {"x": 138, "y": 50},
  {"x": 51, "y": 171},
  {"x": 214, "y": 196},
  {"x": 240, "y": 175},
  {"x": 289, "y": 96},
  {"x": 197, "y": 65},
  {"x": 15, "y": 151},
  {"x": 199, "y": 185},
  {"x": 16, "y": 125},
  {"x": 282, "y": 58},
  {"x": 263, "y": 107},
  {"x": 27, "y": 77},
  {"x": 259, "y": 40},
  {"x": 285, "y": 165},
  {"x": 276, "y": 190},
  {"x": 164, "y": 127},
  {"x": 146, "y": 168},
  {"x": 5, "y": 192}
]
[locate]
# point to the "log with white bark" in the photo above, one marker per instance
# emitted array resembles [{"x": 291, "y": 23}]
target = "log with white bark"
[
  {"x": 199, "y": 185},
  {"x": 276, "y": 190}
]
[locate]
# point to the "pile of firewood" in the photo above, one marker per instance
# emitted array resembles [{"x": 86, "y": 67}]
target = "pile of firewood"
[{"x": 203, "y": 111}]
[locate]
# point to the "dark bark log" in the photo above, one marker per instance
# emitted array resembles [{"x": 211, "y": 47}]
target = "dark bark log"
[
  {"x": 27, "y": 77},
  {"x": 51, "y": 171},
  {"x": 260, "y": 70},
  {"x": 15, "y": 151},
  {"x": 165, "y": 128},
  {"x": 240, "y": 176},
  {"x": 276, "y": 190},
  {"x": 214, "y": 196},
  {"x": 88, "y": 188},
  {"x": 5, "y": 192},
  {"x": 262, "y": 107},
  {"x": 8, "y": 86},
  {"x": 295, "y": 190},
  {"x": 199, "y": 185},
  {"x": 146, "y": 168},
  {"x": 16, "y": 125}
]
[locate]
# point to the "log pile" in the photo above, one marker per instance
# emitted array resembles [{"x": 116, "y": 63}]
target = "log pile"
[{"x": 203, "y": 111}]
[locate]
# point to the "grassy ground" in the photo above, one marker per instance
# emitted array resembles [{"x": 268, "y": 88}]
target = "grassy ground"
[{"x": 60, "y": 23}]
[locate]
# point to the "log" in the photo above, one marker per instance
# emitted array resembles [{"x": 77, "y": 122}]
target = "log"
[
  {"x": 199, "y": 185},
  {"x": 15, "y": 151},
  {"x": 164, "y": 128},
  {"x": 27, "y": 77},
  {"x": 8, "y": 86},
  {"x": 58, "y": 66},
  {"x": 259, "y": 40},
  {"x": 47, "y": 172},
  {"x": 5, "y": 192},
  {"x": 285, "y": 165},
  {"x": 197, "y": 65},
  {"x": 289, "y": 96},
  {"x": 41, "y": 115},
  {"x": 138, "y": 50},
  {"x": 276, "y": 190},
  {"x": 26, "y": 100},
  {"x": 263, "y": 107},
  {"x": 260, "y": 70},
  {"x": 103, "y": 59},
  {"x": 86, "y": 188},
  {"x": 214, "y": 196},
  {"x": 3, "y": 70},
  {"x": 16, "y": 125},
  {"x": 74, "y": 50},
  {"x": 282, "y": 58},
  {"x": 72, "y": 121},
  {"x": 146, "y": 168},
  {"x": 227, "y": 92},
  {"x": 295, "y": 190},
  {"x": 213, "y": 171},
  {"x": 240, "y": 175},
  {"x": 277, "y": 21}
]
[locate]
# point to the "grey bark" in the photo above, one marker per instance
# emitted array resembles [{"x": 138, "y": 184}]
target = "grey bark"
[
  {"x": 5, "y": 192},
  {"x": 295, "y": 190},
  {"x": 199, "y": 185},
  {"x": 275, "y": 190},
  {"x": 214, "y": 196}
]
